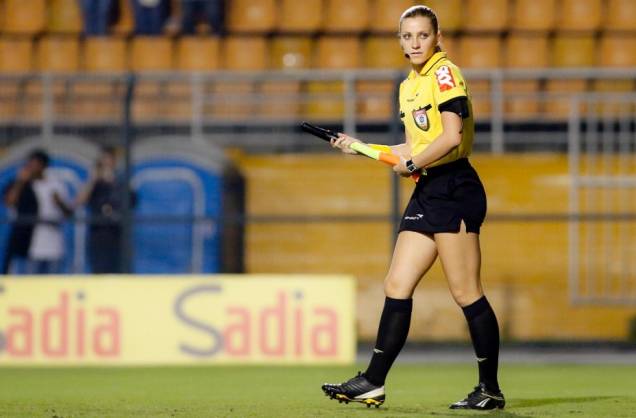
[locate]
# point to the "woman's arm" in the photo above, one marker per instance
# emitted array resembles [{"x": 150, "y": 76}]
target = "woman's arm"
[{"x": 448, "y": 140}]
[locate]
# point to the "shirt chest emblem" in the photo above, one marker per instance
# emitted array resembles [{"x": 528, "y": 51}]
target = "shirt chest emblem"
[{"x": 421, "y": 118}]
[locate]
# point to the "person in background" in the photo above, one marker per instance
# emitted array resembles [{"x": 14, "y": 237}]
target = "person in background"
[
  {"x": 210, "y": 12},
  {"x": 99, "y": 15},
  {"x": 103, "y": 197},
  {"x": 39, "y": 203},
  {"x": 151, "y": 16}
]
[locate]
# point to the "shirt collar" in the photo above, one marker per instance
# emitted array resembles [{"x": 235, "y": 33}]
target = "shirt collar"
[{"x": 428, "y": 65}]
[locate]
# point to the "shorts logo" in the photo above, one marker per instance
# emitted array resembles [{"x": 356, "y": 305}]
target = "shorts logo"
[
  {"x": 445, "y": 79},
  {"x": 421, "y": 118}
]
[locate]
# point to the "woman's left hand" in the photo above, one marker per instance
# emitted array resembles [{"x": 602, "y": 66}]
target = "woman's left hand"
[{"x": 400, "y": 168}]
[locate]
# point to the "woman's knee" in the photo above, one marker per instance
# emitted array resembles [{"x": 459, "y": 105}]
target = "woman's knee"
[
  {"x": 466, "y": 296},
  {"x": 397, "y": 289}
]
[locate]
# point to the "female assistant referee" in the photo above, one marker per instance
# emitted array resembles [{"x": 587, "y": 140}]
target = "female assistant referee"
[{"x": 442, "y": 218}]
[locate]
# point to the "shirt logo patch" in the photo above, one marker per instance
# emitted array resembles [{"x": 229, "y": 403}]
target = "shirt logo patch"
[
  {"x": 445, "y": 79},
  {"x": 421, "y": 118}
]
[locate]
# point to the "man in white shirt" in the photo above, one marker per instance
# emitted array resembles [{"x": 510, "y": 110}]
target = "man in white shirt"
[{"x": 41, "y": 239}]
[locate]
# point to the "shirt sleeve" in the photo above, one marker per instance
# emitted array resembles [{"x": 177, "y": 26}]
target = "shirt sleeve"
[{"x": 449, "y": 84}]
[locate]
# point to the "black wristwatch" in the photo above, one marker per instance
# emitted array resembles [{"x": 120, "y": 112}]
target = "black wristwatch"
[{"x": 411, "y": 167}]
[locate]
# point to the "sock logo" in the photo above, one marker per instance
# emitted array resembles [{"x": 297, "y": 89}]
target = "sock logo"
[
  {"x": 375, "y": 350},
  {"x": 480, "y": 359}
]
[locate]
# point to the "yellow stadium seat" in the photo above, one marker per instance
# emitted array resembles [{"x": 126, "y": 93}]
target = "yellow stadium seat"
[
  {"x": 234, "y": 100},
  {"x": 621, "y": 15},
  {"x": 580, "y": 15},
  {"x": 251, "y": 16},
  {"x": 105, "y": 54},
  {"x": 98, "y": 100},
  {"x": 300, "y": 16},
  {"x": 58, "y": 54},
  {"x": 338, "y": 52},
  {"x": 126, "y": 22},
  {"x": 449, "y": 13},
  {"x": 16, "y": 55},
  {"x": 290, "y": 52},
  {"x": 480, "y": 52},
  {"x": 568, "y": 51},
  {"x": 535, "y": 15},
  {"x": 486, "y": 15},
  {"x": 333, "y": 52},
  {"x": 24, "y": 16},
  {"x": 524, "y": 51},
  {"x": 450, "y": 45},
  {"x": 281, "y": 98},
  {"x": 148, "y": 53},
  {"x": 65, "y": 16},
  {"x": 618, "y": 51},
  {"x": 151, "y": 53},
  {"x": 573, "y": 51},
  {"x": 375, "y": 100},
  {"x": 195, "y": 53},
  {"x": 347, "y": 16},
  {"x": 245, "y": 53},
  {"x": 385, "y": 14},
  {"x": 383, "y": 52}
]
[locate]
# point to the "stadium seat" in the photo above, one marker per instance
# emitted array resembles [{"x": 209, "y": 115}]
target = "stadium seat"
[
  {"x": 485, "y": 15},
  {"x": 450, "y": 45},
  {"x": 568, "y": 51},
  {"x": 281, "y": 98},
  {"x": 24, "y": 16},
  {"x": 375, "y": 98},
  {"x": 251, "y": 16},
  {"x": 235, "y": 100},
  {"x": 385, "y": 15},
  {"x": 618, "y": 51},
  {"x": 151, "y": 53},
  {"x": 450, "y": 14},
  {"x": 480, "y": 52},
  {"x": 620, "y": 15},
  {"x": 290, "y": 52},
  {"x": 533, "y": 15},
  {"x": 235, "y": 56},
  {"x": 325, "y": 97},
  {"x": 104, "y": 54},
  {"x": 579, "y": 15},
  {"x": 573, "y": 51},
  {"x": 58, "y": 54},
  {"x": 300, "y": 16},
  {"x": 346, "y": 16},
  {"x": 195, "y": 53},
  {"x": 337, "y": 52},
  {"x": 64, "y": 17},
  {"x": 16, "y": 55},
  {"x": 524, "y": 51},
  {"x": 383, "y": 52},
  {"x": 126, "y": 22}
]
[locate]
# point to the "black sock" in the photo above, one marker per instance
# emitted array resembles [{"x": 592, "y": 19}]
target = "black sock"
[
  {"x": 392, "y": 333},
  {"x": 484, "y": 332}
]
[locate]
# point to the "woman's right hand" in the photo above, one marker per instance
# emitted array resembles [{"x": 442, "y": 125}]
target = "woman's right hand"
[{"x": 343, "y": 142}]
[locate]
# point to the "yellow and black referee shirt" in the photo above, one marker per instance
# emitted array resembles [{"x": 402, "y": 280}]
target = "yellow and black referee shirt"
[{"x": 421, "y": 95}]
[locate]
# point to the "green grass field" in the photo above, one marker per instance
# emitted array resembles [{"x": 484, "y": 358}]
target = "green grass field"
[{"x": 281, "y": 392}]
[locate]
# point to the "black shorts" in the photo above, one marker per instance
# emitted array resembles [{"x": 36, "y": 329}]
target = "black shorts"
[{"x": 446, "y": 196}]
